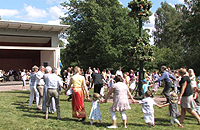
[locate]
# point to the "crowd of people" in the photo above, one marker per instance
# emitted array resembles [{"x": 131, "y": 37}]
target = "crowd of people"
[
  {"x": 179, "y": 87},
  {"x": 13, "y": 75}
]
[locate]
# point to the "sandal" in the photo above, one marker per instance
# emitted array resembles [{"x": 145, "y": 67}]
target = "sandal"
[
  {"x": 198, "y": 122},
  {"x": 180, "y": 126}
]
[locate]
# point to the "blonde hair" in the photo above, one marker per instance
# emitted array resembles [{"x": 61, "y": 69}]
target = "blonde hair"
[
  {"x": 76, "y": 69},
  {"x": 182, "y": 71},
  {"x": 96, "y": 96},
  {"x": 191, "y": 72},
  {"x": 34, "y": 68},
  {"x": 196, "y": 89},
  {"x": 174, "y": 97}
]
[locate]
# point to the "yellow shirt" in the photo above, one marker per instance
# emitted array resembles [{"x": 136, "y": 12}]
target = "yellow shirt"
[
  {"x": 77, "y": 81},
  {"x": 104, "y": 74}
]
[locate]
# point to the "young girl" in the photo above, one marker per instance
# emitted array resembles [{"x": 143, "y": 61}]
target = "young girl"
[
  {"x": 198, "y": 83},
  {"x": 95, "y": 113},
  {"x": 111, "y": 82},
  {"x": 67, "y": 80},
  {"x": 196, "y": 99},
  {"x": 156, "y": 85},
  {"x": 176, "y": 82},
  {"x": 127, "y": 79},
  {"x": 132, "y": 84},
  {"x": 173, "y": 105}
]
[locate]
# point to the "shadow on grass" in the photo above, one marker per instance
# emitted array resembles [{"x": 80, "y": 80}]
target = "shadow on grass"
[
  {"x": 25, "y": 108},
  {"x": 63, "y": 100},
  {"x": 17, "y": 91},
  {"x": 162, "y": 121},
  {"x": 23, "y": 96},
  {"x": 95, "y": 123},
  {"x": 38, "y": 116},
  {"x": 135, "y": 124}
]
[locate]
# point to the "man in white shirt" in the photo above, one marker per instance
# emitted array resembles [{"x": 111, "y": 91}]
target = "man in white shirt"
[
  {"x": 40, "y": 85},
  {"x": 119, "y": 72},
  {"x": 53, "y": 82}
]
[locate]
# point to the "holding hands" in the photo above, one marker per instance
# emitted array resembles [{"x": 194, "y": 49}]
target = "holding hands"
[
  {"x": 134, "y": 101},
  {"x": 103, "y": 100}
]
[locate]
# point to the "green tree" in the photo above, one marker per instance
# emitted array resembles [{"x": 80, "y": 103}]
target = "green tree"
[
  {"x": 100, "y": 33},
  {"x": 191, "y": 33},
  {"x": 168, "y": 34},
  {"x": 61, "y": 43}
]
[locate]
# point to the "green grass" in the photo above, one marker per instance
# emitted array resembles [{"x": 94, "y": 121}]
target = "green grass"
[{"x": 15, "y": 114}]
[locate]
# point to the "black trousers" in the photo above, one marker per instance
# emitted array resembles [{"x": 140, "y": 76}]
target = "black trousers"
[
  {"x": 166, "y": 90},
  {"x": 97, "y": 88}
]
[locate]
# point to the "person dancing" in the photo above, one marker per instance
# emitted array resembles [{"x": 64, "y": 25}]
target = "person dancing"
[
  {"x": 166, "y": 79},
  {"x": 77, "y": 82}
]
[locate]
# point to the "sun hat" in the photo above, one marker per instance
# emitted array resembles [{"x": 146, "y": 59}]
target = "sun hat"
[{"x": 144, "y": 80}]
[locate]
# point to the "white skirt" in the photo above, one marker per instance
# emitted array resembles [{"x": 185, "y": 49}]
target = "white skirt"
[
  {"x": 149, "y": 118},
  {"x": 132, "y": 85},
  {"x": 69, "y": 92}
]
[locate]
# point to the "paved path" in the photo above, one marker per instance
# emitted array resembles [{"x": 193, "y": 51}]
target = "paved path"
[
  {"x": 158, "y": 99},
  {"x": 12, "y": 88}
]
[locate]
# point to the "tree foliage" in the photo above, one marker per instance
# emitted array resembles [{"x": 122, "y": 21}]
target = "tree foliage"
[
  {"x": 100, "y": 33},
  {"x": 177, "y": 29}
]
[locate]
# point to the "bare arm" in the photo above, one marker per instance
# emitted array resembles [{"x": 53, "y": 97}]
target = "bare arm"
[
  {"x": 158, "y": 105},
  {"x": 135, "y": 101},
  {"x": 85, "y": 88},
  {"x": 195, "y": 96},
  {"x": 184, "y": 85},
  {"x": 69, "y": 86},
  {"x": 163, "y": 105},
  {"x": 151, "y": 85},
  {"x": 191, "y": 78},
  {"x": 108, "y": 95},
  {"x": 129, "y": 94}
]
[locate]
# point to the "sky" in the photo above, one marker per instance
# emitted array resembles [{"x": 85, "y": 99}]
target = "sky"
[{"x": 49, "y": 11}]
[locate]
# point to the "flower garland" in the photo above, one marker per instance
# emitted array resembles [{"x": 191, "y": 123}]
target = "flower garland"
[{"x": 140, "y": 8}]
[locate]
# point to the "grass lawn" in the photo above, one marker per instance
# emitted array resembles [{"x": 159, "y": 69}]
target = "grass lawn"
[{"x": 15, "y": 114}]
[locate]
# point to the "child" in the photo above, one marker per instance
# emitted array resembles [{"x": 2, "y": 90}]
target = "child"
[
  {"x": 67, "y": 80},
  {"x": 127, "y": 79},
  {"x": 198, "y": 83},
  {"x": 173, "y": 105},
  {"x": 111, "y": 82},
  {"x": 176, "y": 82},
  {"x": 147, "y": 108},
  {"x": 196, "y": 99},
  {"x": 145, "y": 86},
  {"x": 132, "y": 84},
  {"x": 95, "y": 113}
]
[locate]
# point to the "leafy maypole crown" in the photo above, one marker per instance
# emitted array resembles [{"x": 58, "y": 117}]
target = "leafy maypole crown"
[
  {"x": 140, "y": 8},
  {"x": 142, "y": 51}
]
